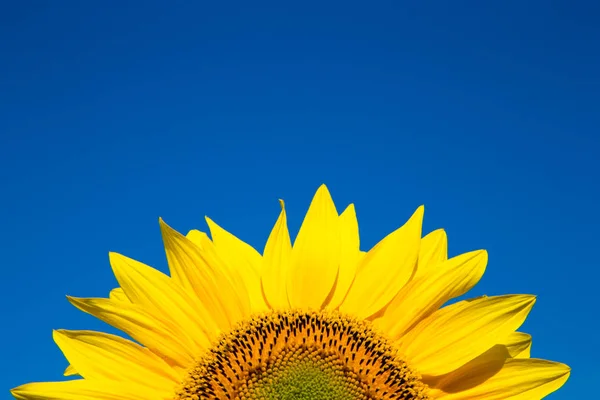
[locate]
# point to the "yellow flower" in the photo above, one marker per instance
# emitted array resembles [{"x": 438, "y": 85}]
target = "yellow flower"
[{"x": 317, "y": 320}]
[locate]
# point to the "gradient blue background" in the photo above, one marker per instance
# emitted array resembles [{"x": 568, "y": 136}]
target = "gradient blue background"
[{"x": 113, "y": 114}]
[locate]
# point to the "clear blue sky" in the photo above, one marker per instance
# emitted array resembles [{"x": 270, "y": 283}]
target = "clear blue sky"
[{"x": 112, "y": 115}]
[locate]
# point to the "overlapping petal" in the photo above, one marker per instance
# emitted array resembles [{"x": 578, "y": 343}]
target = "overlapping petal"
[
  {"x": 100, "y": 356},
  {"x": 158, "y": 294},
  {"x": 429, "y": 292},
  {"x": 190, "y": 267},
  {"x": 458, "y": 333},
  {"x": 494, "y": 376},
  {"x": 244, "y": 259},
  {"x": 518, "y": 345},
  {"x": 350, "y": 255},
  {"x": 141, "y": 326},
  {"x": 385, "y": 269},
  {"x": 433, "y": 251}
]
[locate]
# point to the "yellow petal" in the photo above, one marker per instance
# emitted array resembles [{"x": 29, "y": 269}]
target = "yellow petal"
[
  {"x": 100, "y": 356},
  {"x": 349, "y": 255},
  {"x": 385, "y": 269},
  {"x": 118, "y": 294},
  {"x": 211, "y": 257},
  {"x": 518, "y": 344},
  {"x": 197, "y": 237},
  {"x": 458, "y": 333},
  {"x": 70, "y": 371},
  {"x": 157, "y": 293},
  {"x": 235, "y": 250},
  {"x": 243, "y": 258},
  {"x": 424, "y": 295},
  {"x": 211, "y": 284},
  {"x": 141, "y": 326},
  {"x": 491, "y": 360},
  {"x": 87, "y": 390},
  {"x": 276, "y": 263},
  {"x": 316, "y": 253},
  {"x": 433, "y": 251},
  {"x": 503, "y": 379},
  {"x": 515, "y": 345}
]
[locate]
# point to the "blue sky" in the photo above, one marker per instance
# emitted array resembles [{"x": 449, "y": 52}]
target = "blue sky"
[{"x": 112, "y": 115}]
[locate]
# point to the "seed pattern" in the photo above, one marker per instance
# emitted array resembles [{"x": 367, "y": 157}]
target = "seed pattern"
[{"x": 298, "y": 355}]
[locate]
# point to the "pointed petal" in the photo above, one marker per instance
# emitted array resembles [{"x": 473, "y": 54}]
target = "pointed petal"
[
  {"x": 197, "y": 238},
  {"x": 157, "y": 293},
  {"x": 236, "y": 250},
  {"x": 316, "y": 253},
  {"x": 211, "y": 285},
  {"x": 491, "y": 360},
  {"x": 211, "y": 257},
  {"x": 85, "y": 390},
  {"x": 276, "y": 263},
  {"x": 141, "y": 326},
  {"x": 118, "y": 294},
  {"x": 489, "y": 363},
  {"x": 433, "y": 251},
  {"x": 428, "y": 293},
  {"x": 100, "y": 356},
  {"x": 385, "y": 269},
  {"x": 458, "y": 333},
  {"x": 349, "y": 255},
  {"x": 508, "y": 379},
  {"x": 243, "y": 258},
  {"x": 518, "y": 344},
  {"x": 70, "y": 371}
]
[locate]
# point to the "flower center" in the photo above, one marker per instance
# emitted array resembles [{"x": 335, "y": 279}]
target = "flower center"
[{"x": 297, "y": 355}]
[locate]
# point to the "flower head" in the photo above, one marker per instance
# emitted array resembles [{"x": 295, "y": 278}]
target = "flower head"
[{"x": 317, "y": 320}]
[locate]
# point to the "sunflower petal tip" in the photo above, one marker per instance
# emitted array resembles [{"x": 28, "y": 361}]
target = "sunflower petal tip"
[
  {"x": 566, "y": 368},
  {"x": 350, "y": 208},
  {"x": 282, "y": 204},
  {"x": 561, "y": 370},
  {"x": 16, "y": 392},
  {"x": 480, "y": 255},
  {"x": 417, "y": 216},
  {"x": 533, "y": 298},
  {"x": 57, "y": 334},
  {"x": 73, "y": 300},
  {"x": 528, "y": 300},
  {"x": 323, "y": 190},
  {"x": 420, "y": 211},
  {"x": 163, "y": 225},
  {"x": 164, "y": 228}
]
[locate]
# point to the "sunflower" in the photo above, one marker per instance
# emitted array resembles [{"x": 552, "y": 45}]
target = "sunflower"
[{"x": 317, "y": 320}]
